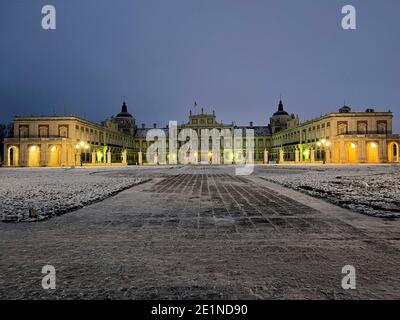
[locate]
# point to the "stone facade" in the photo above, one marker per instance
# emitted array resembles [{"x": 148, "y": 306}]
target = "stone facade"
[
  {"x": 66, "y": 141},
  {"x": 339, "y": 137}
]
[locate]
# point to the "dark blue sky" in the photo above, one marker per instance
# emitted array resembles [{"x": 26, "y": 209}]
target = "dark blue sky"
[{"x": 234, "y": 56}]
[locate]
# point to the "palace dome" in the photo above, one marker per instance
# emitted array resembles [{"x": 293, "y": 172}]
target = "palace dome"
[
  {"x": 124, "y": 112},
  {"x": 281, "y": 111}
]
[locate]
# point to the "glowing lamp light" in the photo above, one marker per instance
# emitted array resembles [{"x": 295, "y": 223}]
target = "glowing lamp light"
[
  {"x": 328, "y": 144},
  {"x": 86, "y": 146},
  {"x": 323, "y": 141},
  {"x": 373, "y": 145},
  {"x": 77, "y": 146},
  {"x": 306, "y": 153},
  {"x": 33, "y": 148},
  {"x": 319, "y": 144},
  {"x": 353, "y": 146},
  {"x": 81, "y": 143},
  {"x": 53, "y": 148}
]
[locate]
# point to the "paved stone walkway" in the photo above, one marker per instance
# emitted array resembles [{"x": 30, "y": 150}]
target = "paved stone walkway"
[{"x": 201, "y": 232}]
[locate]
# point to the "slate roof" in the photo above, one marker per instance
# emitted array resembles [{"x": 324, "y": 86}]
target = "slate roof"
[
  {"x": 142, "y": 133},
  {"x": 259, "y": 131}
]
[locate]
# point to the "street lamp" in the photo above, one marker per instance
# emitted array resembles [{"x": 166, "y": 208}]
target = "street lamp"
[{"x": 324, "y": 144}]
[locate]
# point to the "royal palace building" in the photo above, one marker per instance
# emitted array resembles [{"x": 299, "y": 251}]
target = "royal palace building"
[{"x": 342, "y": 137}]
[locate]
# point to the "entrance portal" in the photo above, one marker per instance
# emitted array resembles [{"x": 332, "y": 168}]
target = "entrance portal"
[
  {"x": 393, "y": 152},
  {"x": 351, "y": 153},
  {"x": 372, "y": 152},
  {"x": 33, "y": 156},
  {"x": 54, "y": 156},
  {"x": 12, "y": 156}
]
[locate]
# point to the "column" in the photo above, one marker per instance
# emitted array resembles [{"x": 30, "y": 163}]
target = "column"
[
  {"x": 140, "y": 158},
  {"x": 24, "y": 154},
  {"x": 328, "y": 155},
  {"x": 383, "y": 151},
  {"x": 44, "y": 154},
  {"x": 362, "y": 151},
  {"x": 16, "y": 156},
  {"x": 266, "y": 157},
  {"x": 63, "y": 155},
  {"x": 312, "y": 155},
  {"x": 77, "y": 158},
  {"x": 109, "y": 157},
  {"x": 342, "y": 158},
  {"x": 297, "y": 155},
  {"x": 281, "y": 156},
  {"x": 124, "y": 158},
  {"x": 94, "y": 156},
  {"x": 5, "y": 152}
]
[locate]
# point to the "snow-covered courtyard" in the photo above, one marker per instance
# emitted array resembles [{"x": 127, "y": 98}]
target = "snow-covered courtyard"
[
  {"x": 367, "y": 189},
  {"x": 28, "y": 194},
  {"x": 197, "y": 232},
  {"x": 37, "y": 194}
]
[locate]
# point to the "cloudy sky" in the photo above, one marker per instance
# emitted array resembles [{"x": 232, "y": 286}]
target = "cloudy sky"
[{"x": 234, "y": 56}]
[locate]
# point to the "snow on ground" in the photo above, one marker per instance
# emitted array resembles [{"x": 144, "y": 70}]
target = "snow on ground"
[
  {"x": 46, "y": 192},
  {"x": 371, "y": 190}
]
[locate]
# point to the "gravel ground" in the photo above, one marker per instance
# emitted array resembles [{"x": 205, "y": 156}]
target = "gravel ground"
[{"x": 370, "y": 190}]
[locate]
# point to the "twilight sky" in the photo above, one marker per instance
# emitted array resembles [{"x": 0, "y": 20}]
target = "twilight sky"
[{"x": 234, "y": 56}]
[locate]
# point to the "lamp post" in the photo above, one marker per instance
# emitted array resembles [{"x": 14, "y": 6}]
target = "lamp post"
[{"x": 324, "y": 144}]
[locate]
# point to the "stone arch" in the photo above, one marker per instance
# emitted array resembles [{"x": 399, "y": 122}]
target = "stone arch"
[
  {"x": 351, "y": 152},
  {"x": 372, "y": 152},
  {"x": 336, "y": 152},
  {"x": 33, "y": 156},
  {"x": 393, "y": 152},
  {"x": 12, "y": 156},
  {"x": 54, "y": 159}
]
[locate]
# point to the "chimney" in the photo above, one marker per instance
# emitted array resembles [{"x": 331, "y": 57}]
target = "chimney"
[
  {"x": 154, "y": 125},
  {"x": 143, "y": 126}
]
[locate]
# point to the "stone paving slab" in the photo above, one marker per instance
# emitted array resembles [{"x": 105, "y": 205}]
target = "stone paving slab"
[{"x": 202, "y": 233}]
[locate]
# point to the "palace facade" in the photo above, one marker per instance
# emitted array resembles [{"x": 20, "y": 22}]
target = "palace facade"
[{"x": 339, "y": 137}]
